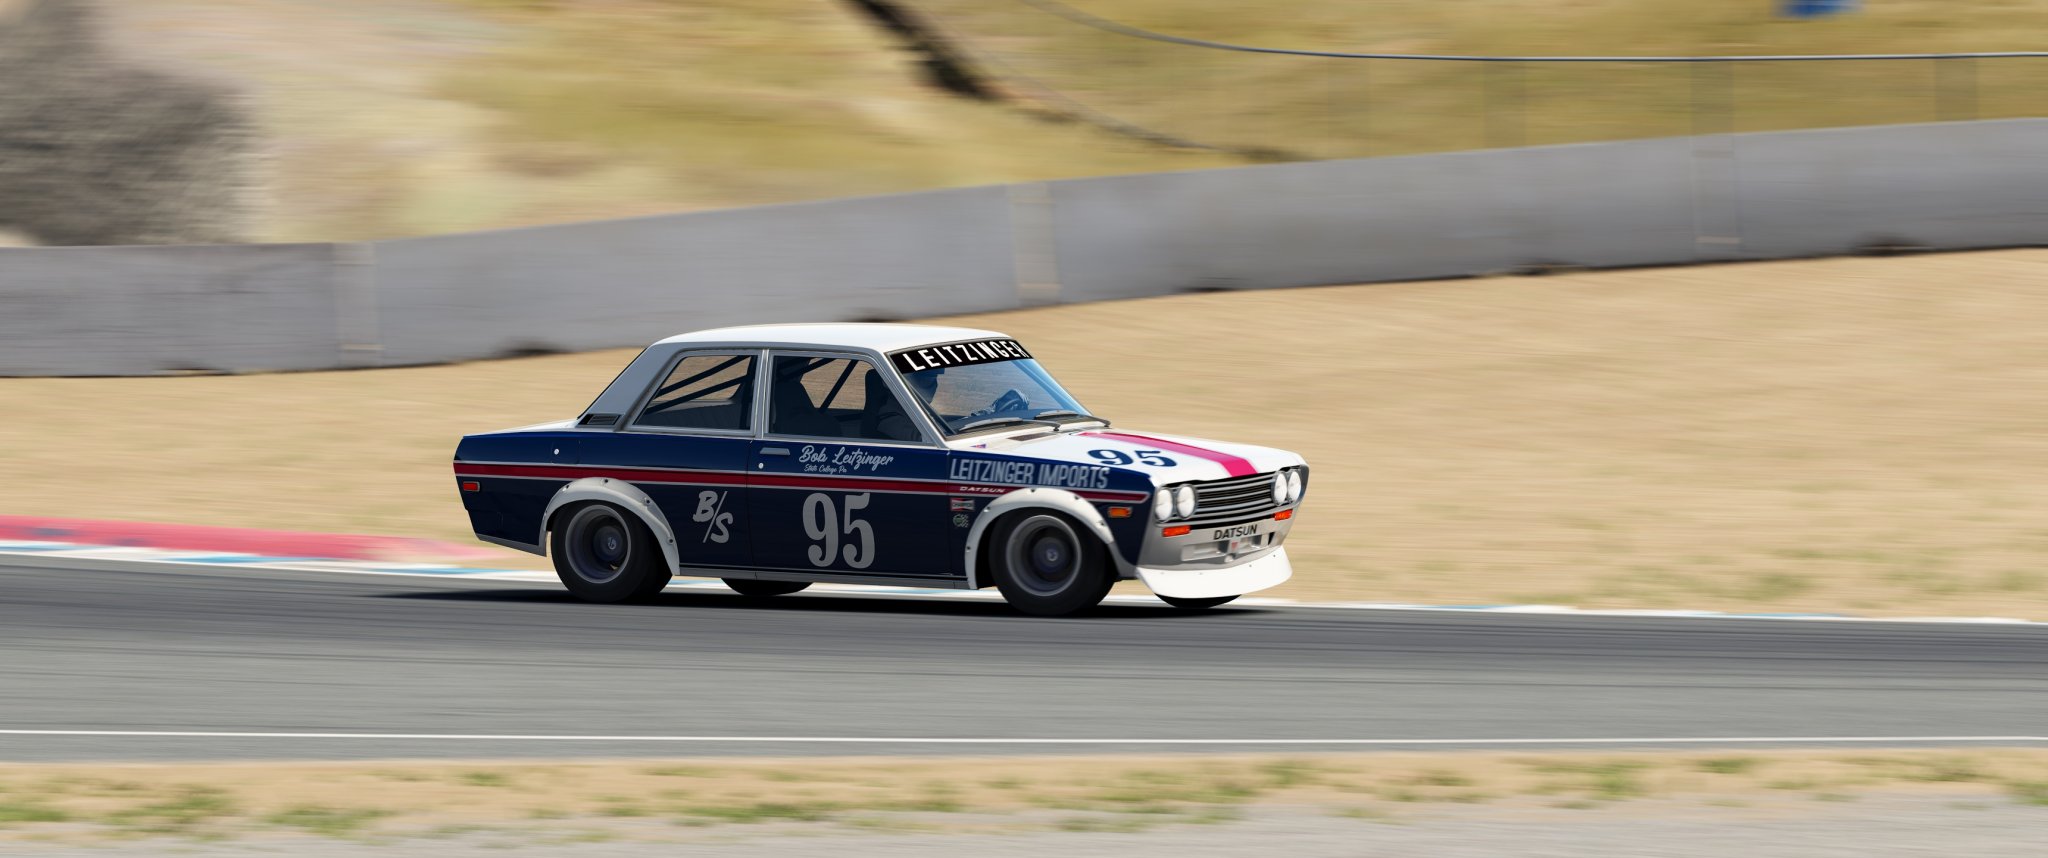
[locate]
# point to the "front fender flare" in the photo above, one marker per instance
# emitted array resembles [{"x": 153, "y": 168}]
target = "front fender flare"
[
  {"x": 621, "y": 494},
  {"x": 1057, "y": 500}
]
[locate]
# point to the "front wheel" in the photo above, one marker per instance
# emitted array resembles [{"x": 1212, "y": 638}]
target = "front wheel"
[
  {"x": 605, "y": 554},
  {"x": 1047, "y": 567},
  {"x": 750, "y": 587},
  {"x": 1196, "y": 604}
]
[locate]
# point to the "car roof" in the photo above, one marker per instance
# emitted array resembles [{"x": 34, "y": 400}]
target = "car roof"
[{"x": 865, "y": 335}]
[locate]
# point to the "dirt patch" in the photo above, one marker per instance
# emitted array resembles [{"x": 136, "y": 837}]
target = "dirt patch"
[{"x": 1852, "y": 434}]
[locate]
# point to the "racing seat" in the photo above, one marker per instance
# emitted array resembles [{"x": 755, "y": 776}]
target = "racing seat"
[
  {"x": 791, "y": 412},
  {"x": 883, "y": 416}
]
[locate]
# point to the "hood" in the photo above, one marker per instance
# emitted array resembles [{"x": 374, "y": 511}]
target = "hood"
[{"x": 1167, "y": 459}]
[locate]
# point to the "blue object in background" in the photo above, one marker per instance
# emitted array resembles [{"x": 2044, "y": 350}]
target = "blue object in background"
[{"x": 1817, "y": 8}]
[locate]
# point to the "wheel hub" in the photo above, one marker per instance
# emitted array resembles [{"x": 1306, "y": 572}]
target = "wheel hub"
[{"x": 1045, "y": 555}]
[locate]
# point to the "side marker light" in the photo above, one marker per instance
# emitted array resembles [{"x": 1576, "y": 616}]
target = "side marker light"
[
  {"x": 1119, "y": 512},
  {"x": 471, "y": 486}
]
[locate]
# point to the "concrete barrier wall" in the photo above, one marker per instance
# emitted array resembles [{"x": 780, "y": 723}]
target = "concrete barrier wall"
[
  {"x": 601, "y": 285},
  {"x": 1643, "y": 202},
  {"x": 143, "y": 310},
  {"x": 147, "y": 310}
]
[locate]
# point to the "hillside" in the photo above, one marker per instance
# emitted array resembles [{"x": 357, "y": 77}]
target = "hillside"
[{"x": 403, "y": 117}]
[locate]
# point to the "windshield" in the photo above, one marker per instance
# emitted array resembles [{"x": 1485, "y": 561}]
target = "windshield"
[{"x": 988, "y": 395}]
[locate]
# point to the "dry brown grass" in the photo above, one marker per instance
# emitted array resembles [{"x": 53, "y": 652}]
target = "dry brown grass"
[
  {"x": 401, "y": 117},
  {"x": 1852, "y": 434},
  {"x": 655, "y": 800}
]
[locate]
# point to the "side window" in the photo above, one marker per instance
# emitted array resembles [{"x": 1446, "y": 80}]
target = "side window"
[
  {"x": 704, "y": 392},
  {"x": 817, "y": 397}
]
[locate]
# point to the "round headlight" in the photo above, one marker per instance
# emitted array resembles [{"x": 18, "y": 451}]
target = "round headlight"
[
  {"x": 1279, "y": 486},
  {"x": 1293, "y": 484},
  {"x": 1184, "y": 501},
  {"x": 1162, "y": 505}
]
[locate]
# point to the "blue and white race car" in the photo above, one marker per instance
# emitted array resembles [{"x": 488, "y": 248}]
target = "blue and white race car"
[{"x": 776, "y": 456}]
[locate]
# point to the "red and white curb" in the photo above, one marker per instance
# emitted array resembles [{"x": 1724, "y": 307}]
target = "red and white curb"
[{"x": 28, "y": 552}]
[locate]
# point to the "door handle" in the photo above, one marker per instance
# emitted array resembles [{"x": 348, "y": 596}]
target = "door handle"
[{"x": 774, "y": 451}]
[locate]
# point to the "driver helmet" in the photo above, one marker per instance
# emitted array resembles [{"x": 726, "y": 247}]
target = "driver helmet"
[{"x": 926, "y": 383}]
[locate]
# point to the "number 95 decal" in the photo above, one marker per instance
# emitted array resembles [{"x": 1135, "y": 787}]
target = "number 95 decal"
[
  {"x": 825, "y": 527},
  {"x": 1151, "y": 458}
]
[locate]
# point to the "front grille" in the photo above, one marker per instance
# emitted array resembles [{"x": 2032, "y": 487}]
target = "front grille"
[{"x": 1234, "y": 497}]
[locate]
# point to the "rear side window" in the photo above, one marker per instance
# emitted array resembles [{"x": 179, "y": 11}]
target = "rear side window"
[
  {"x": 704, "y": 391},
  {"x": 821, "y": 397}
]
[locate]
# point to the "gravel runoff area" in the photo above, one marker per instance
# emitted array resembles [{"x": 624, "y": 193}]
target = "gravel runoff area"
[{"x": 1872, "y": 828}]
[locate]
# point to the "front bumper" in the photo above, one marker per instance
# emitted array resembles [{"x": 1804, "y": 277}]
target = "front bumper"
[{"x": 1208, "y": 582}]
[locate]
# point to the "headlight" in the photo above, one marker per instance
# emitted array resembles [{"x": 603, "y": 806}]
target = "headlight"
[
  {"x": 1184, "y": 501},
  {"x": 1279, "y": 486},
  {"x": 1162, "y": 506},
  {"x": 1293, "y": 484}
]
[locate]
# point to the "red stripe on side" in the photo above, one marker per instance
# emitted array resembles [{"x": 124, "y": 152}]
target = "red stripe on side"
[
  {"x": 1232, "y": 465},
  {"x": 844, "y": 484}
]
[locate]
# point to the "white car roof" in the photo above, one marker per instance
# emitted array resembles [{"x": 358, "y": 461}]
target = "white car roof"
[{"x": 876, "y": 336}]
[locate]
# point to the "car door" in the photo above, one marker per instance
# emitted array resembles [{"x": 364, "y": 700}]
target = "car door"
[
  {"x": 847, "y": 480},
  {"x": 687, "y": 446}
]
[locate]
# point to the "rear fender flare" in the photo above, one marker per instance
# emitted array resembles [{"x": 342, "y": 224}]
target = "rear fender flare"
[
  {"x": 1056, "y": 500},
  {"x": 621, "y": 494}
]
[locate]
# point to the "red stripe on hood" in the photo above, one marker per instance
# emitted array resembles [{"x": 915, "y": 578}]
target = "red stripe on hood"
[{"x": 1232, "y": 465}]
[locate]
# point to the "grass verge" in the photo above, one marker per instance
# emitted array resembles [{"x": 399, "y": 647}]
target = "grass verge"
[{"x": 661, "y": 801}]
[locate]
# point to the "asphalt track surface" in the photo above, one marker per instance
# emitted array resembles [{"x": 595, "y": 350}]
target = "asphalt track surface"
[{"x": 244, "y": 651}]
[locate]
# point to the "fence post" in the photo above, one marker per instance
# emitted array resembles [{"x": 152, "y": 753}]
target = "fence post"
[
  {"x": 1713, "y": 98},
  {"x": 1955, "y": 88},
  {"x": 1504, "y": 121}
]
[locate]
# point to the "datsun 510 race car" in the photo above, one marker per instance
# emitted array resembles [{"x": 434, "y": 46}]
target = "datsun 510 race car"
[{"x": 776, "y": 456}]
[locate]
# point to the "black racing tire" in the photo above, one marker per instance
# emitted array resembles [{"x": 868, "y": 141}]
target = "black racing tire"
[
  {"x": 750, "y": 587},
  {"x": 605, "y": 554},
  {"x": 1196, "y": 604},
  {"x": 1046, "y": 565}
]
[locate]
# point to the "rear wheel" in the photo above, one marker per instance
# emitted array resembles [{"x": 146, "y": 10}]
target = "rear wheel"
[
  {"x": 1196, "y": 604},
  {"x": 605, "y": 554},
  {"x": 1046, "y": 566},
  {"x": 748, "y": 587}
]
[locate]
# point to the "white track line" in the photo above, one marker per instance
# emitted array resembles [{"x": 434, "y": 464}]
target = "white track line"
[
  {"x": 16, "y": 553},
  {"x": 928, "y": 740}
]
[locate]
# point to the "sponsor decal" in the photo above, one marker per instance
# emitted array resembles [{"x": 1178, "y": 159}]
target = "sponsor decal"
[
  {"x": 1056, "y": 475},
  {"x": 963, "y": 504},
  {"x": 958, "y": 354},
  {"x": 1223, "y": 533},
  {"x": 960, "y": 520},
  {"x": 840, "y": 460}
]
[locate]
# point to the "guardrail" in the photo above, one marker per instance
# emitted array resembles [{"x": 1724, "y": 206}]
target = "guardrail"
[
  {"x": 572, "y": 287},
  {"x": 1220, "y": 95}
]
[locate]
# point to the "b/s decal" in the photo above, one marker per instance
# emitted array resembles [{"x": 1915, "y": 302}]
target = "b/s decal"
[
  {"x": 1151, "y": 458},
  {"x": 825, "y": 526},
  {"x": 709, "y": 509}
]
